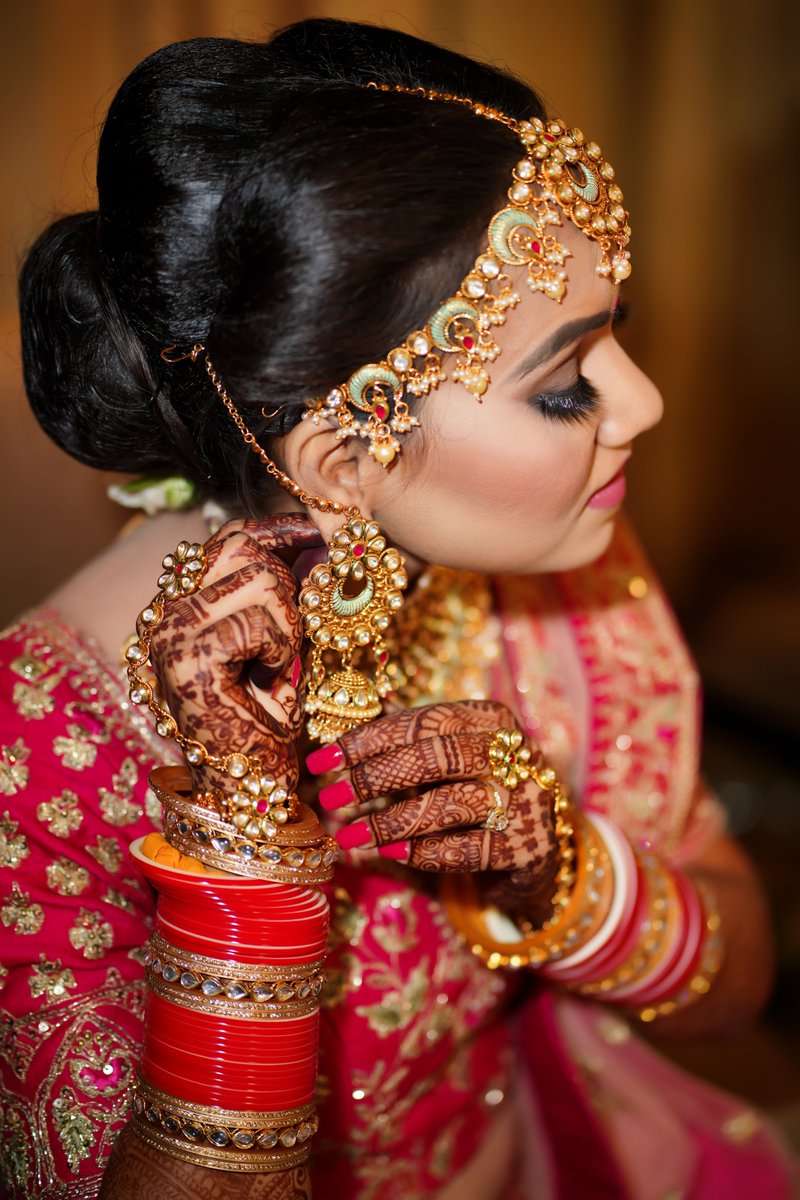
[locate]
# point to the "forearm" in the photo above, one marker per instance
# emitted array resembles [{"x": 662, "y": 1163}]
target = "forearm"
[{"x": 137, "y": 1171}]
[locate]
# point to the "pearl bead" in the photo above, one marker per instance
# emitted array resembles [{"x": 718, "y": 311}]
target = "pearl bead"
[{"x": 384, "y": 453}]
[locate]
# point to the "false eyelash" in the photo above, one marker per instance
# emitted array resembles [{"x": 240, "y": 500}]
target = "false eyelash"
[{"x": 576, "y": 403}]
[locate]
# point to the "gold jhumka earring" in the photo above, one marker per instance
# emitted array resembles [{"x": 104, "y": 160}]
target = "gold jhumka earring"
[{"x": 346, "y": 603}]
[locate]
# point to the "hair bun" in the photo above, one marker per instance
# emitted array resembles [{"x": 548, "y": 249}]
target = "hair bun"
[{"x": 88, "y": 378}]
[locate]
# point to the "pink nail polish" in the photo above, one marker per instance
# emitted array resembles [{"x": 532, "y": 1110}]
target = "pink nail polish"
[
  {"x": 296, "y": 665},
  {"x": 400, "y": 851},
  {"x": 337, "y": 795},
  {"x": 328, "y": 758},
  {"x": 351, "y": 836}
]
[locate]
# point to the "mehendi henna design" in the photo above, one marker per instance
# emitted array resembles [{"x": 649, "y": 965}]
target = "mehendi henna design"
[
  {"x": 456, "y": 805},
  {"x": 448, "y": 757},
  {"x": 137, "y": 1171},
  {"x": 470, "y": 851},
  {"x": 245, "y": 613},
  {"x": 415, "y": 724}
]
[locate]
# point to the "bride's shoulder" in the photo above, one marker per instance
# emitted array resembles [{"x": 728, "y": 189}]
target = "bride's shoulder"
[{"x": 102, "y": 599}]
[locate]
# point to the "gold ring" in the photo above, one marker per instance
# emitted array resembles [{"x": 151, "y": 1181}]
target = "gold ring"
[
  {"x": 497, "y": 817},
  {"x": 509, "y": 758},
  {"x": 183, "y": 570}
]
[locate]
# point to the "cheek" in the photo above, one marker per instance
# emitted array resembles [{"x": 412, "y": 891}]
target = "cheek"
[{"x": 540, "y": 472}]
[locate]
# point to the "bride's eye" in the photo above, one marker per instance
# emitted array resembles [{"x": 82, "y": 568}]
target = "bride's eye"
[{"x": 575, "y": 403}]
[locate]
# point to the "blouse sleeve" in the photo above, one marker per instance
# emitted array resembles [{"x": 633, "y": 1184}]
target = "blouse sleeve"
[{"x": 74, "y": 915}]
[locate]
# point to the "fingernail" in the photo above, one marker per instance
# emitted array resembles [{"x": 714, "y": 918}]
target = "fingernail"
[
  {"x": 328, "y": 758},
  {"x": 337, "y": 795},
  {"x": 296, "y": 671},
  {"x": 354, "y": 835},
  {"x": 401, "y": 851}
]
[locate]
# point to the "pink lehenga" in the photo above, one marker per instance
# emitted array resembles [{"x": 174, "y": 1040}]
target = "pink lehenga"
[{"x": 421, "y": 1045}]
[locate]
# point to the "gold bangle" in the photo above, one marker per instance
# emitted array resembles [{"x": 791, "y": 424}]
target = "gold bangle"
[
  {"x": 575, "y": 923},
  {"x": 229, "y": 989},
  {"x": 219, "y": 1138},
  {"x": 656, "y": 939},
  {"x": 711, "y": 959},
  {"x": 299, "y": 852}
]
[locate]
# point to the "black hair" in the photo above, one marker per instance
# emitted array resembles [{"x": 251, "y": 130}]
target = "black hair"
[{"x": 260, "y": 199}]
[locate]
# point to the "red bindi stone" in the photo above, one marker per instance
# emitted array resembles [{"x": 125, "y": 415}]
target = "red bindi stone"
[
  {"x": 358, "y": 550},
  {"x": 548, "y": 137},
  {"x": 536, "y": 248},
  {"x": 467, "y": 343},
  {"x": 381, "y": 412},
  {"x": 261, "y": 806},
  {"x": 512, "y": 758},
  {"x": 179, "y": 569},
  {"x": 383, "y": 658}
]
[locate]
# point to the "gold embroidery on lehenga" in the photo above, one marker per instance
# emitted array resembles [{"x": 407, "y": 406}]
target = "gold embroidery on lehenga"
[
  {"x": 3, "y": 976},
  {"x": 13, "y": 772},
  {"x": 91, "y": 934},
  {"x": 13, "y": 846},
  {"x": 85, "y": 1089},
  {"x": 402, "y": 998},
  {"x": 78, "y": 751},
  {"x": 73, "y": 1127},
  {"x": 33, "y": 697},
  {"x": 118, "y": 900},
  {"x": 19, "y": 912},
  {"x": 15, "y": 1165},
  {"x": 108, "y": 853},
  {"x": 50, "y": 979},
  {"x": 96, "y": 1066},
  {"x": 35, "y": 701},
  {"x": 66, "y": 877},
  {"x": 62, "y": 815},
  {"x": 28, "y": 667},
  {"x": 118, "y": 804}
]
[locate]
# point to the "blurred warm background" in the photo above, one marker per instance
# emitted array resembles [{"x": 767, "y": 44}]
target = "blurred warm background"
[{"x": 697, "y": 105}]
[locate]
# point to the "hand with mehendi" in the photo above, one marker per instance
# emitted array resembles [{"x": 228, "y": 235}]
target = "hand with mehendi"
[
  {"x": 227, "y": 657},
  {"x": 442, "y": 752}
]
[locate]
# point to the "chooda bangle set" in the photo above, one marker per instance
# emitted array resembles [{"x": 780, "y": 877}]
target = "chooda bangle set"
[
  {"x": 631, "y": 930},
  {"x": 234, "y": 967}
]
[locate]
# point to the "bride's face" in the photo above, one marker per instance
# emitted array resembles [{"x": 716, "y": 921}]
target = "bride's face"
[{"x": 531, "y": 479}]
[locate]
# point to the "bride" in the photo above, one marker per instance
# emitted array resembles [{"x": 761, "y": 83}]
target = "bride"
[{"x": 361, "y": 294}]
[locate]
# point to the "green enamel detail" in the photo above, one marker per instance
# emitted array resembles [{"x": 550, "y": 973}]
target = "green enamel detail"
[
  {"x": 365, "y": 378},
  {"x": 444, "y": 317},
  {"x": 348, "y": 608},
  {"x": 501, "y": 230},
  {"x": 590, "y": 190}
]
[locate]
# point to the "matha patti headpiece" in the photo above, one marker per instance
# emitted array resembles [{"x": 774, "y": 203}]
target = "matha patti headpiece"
[{"x": 560, "y": 173}]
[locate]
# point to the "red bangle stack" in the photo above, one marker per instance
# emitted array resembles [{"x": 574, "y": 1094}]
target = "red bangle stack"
[{"x": 231, "y": 1028}]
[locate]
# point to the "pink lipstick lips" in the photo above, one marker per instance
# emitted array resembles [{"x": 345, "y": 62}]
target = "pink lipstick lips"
[{"x": 612, "y": 494}]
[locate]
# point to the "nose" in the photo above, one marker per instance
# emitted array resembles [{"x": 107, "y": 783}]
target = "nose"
[{"x": 631, "y": 401}]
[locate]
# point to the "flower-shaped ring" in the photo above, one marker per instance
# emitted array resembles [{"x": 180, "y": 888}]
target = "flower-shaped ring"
[
  {"x": 183, "y": 571},
  {"x": 509, "y": 758}
]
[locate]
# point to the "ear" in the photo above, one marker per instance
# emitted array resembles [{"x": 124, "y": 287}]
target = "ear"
[{"x": 325, "y": 465}]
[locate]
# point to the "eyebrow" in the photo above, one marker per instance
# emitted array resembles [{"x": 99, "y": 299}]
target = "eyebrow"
[{"x": 571, "y": 332}]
